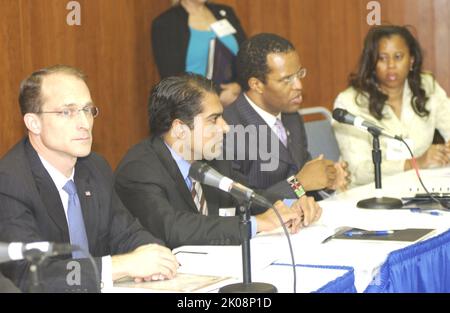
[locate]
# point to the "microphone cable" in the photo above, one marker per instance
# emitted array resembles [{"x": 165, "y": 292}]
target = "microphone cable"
[
  {"x": 291, "y": 250},
  {"x": 444, "y": 205},
  {"x": 94, "y": 266}
]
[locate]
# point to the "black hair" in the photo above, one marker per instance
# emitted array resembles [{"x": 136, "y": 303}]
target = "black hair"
[
  {"x": 177, "y": 97},
  {"x": 252, "y": 56},
  {"x": 365, "y": 80}
]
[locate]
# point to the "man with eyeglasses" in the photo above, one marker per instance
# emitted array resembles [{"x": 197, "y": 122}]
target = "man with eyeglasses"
[
  {"x": 270, "y": 74},
  {"x": 53, "y": 188}
]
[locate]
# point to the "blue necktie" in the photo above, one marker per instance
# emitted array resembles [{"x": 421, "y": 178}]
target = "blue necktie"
[{"x": 77, "y": 230}]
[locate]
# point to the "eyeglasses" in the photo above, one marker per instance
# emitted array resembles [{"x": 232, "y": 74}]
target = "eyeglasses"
[
  {"x": 69, "y": 113},
  {"x": 291, "y": 79}
]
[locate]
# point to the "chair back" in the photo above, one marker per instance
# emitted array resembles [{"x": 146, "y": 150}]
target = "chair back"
[{"x": 320, "y": 134}]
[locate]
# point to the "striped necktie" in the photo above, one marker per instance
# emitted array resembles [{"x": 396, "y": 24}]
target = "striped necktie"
[{"x": 199, "y": 197}]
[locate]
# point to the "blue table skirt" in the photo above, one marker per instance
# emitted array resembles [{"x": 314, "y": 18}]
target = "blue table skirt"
[{"x": 421, "y": 267}]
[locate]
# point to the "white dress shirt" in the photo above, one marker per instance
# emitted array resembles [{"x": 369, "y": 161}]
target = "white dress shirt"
[{"x": 269, "y": 118}]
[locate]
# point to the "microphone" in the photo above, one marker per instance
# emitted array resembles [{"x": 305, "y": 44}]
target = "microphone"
[
  {"x": 19, "y": 251},
  {"x": 205, "y": 174},
  {"x": 343, "y": 116}
]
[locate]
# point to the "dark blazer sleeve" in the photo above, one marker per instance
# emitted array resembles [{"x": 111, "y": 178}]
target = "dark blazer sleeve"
[
  {"x": 170, "y": 39},
  {"x": 156, "y": 201},
  {"x": 305, "y": 156},
  {"x": 125, "y": 231},
  {"x": 6, "y": 286},
  {"x": 17, "y": 224},
  {"x": 278, "y": 191}
]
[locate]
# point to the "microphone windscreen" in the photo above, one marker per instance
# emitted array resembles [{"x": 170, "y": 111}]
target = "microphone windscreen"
[
  {"x": 197, "y": 171},
  {"x": 339, "y": 114}
]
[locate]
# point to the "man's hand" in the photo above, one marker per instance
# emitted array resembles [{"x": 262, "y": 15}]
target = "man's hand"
[
  {"x": 317, "y": 174},
  {"x": 268, "y": 220},
  {"x": 342, "y": 176},
  {"x": 149, "y": 262},
  {"x": 308, "y": 208}
]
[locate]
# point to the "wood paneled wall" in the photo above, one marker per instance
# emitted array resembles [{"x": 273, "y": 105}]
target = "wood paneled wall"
[
  {"x": 112, "y": 46},
  {"x": 329, "y": 35}
]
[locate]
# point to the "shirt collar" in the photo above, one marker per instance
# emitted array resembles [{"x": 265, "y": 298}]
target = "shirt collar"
[
  {"x": 269, "y": 118},
  {"x": 58, "y": 178},
  {"x": 183, "y": 165}
]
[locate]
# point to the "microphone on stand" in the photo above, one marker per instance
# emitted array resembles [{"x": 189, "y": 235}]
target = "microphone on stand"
[
  {"x": 19, "y": 251},
  {"x": 205, "y": 174},
  {"x": 345, "y": 117},
  {"x": 378, "y": 202}
]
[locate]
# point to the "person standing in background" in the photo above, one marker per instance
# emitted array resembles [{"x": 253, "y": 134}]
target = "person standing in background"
[{"x": 181, "y": 38}]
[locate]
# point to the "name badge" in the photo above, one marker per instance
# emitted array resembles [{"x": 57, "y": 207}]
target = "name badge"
[
  {"x": 396, "y": 150},
  {"x": 227, "y": 211},
  {"x": 223, "y": 28}
]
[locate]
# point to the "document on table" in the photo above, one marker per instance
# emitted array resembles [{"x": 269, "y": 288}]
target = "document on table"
[
  {"x": 181, "y": 283},
  {"x": 219, "y": 260}
]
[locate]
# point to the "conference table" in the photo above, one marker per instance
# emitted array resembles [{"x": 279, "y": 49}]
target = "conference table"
[
  {"x": 383, "y": 266},
  {"x": 338, "y": 265}
]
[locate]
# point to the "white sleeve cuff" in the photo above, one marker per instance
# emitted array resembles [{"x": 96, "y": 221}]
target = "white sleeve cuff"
[{"x": 107, "y": 281}]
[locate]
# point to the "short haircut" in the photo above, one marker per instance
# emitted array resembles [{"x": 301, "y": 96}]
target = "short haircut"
[
  {"x": 252, "y": 56},
  {"x": 177, "y": 97},
  {"x": 30, "y": 99}
]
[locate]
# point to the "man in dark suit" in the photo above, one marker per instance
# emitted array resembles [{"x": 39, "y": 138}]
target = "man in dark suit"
[
  {"x": 270, "y": 73},
  {"x": 52, "y": 188},
  {"x": 185, "y": 117}
]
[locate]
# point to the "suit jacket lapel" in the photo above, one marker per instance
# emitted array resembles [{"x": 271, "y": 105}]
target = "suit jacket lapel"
[
  {"x": 88, "y": 196},
  {"x": 48, "y": 192},
  {"x": 293, "y": 146},
  {"x": 171, "y": 166},
  {"x": 253, "y": 118}
]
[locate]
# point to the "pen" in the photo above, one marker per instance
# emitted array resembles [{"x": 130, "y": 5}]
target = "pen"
[
  {"x": 351, "y": 233},
  {"x": 419, "y": 210},
  {"x": 191, "y": 252}
]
